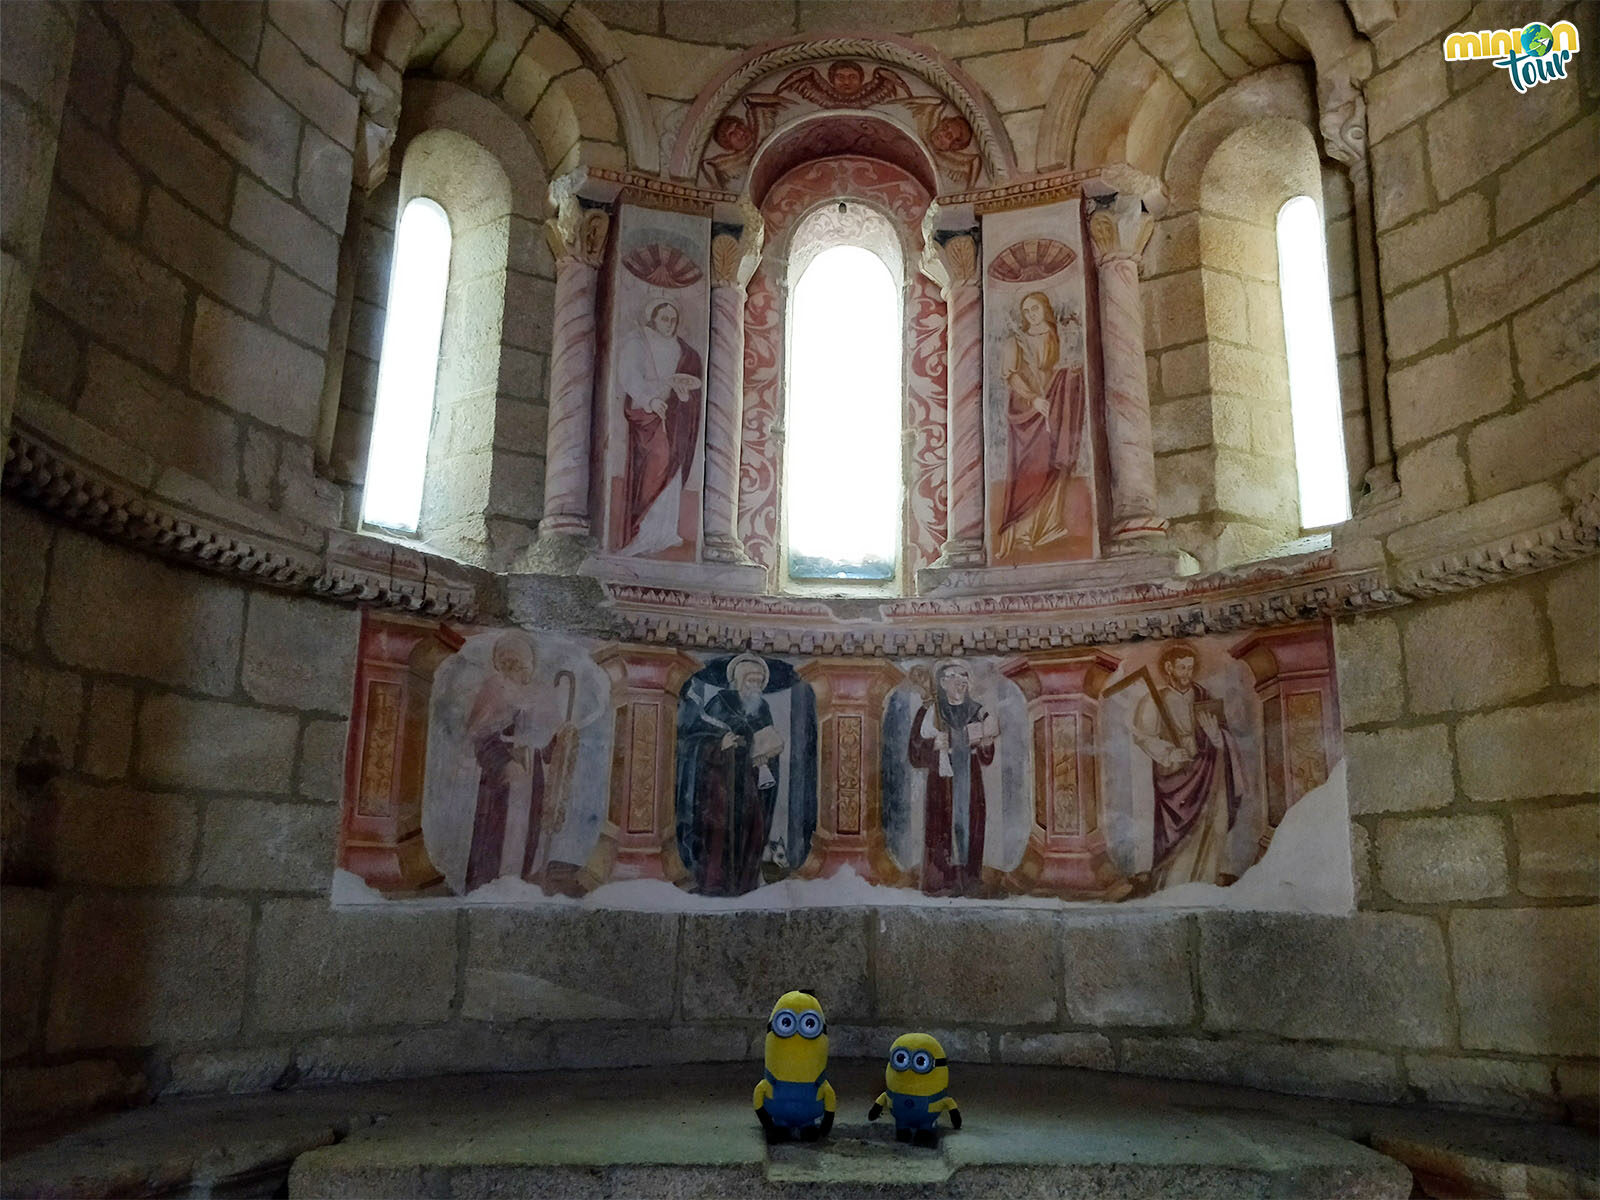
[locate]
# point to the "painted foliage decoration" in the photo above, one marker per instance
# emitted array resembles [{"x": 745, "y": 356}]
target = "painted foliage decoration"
[
  {"x": 654, "y": 449},
  {"x": 514, "y": 766},
  {"x": 785, "y": 98},
  {"x": 1038, "y": 422}
]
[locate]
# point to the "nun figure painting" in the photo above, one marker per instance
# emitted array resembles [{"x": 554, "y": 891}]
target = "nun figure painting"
[{"x": 952, "y": 740}]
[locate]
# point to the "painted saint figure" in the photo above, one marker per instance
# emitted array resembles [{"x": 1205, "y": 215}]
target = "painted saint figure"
[
  {"x": 1197, "y": 771},
  {"x": 735, "y": 745},
  {"x": 1045, "y": 423},
  {"x": 509, "y": 814},
  {"x": 953, "y": 739},
  {"x": 661, "y": 381}
]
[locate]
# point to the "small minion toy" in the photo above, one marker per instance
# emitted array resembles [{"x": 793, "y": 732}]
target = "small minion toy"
[
  {"x": 918, "y": 1082},
  {"x": 794, "y": 1095}
]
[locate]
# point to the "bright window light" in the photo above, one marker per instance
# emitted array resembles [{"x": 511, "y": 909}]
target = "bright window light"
[
  {"x": 1313, "y": 365},
  {"x": 408, "y": 368},
  {"x": 844, "y": 419}
]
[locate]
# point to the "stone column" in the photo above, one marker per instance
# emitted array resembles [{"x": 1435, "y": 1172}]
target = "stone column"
[
  {"x": 577, "y": 239},
  {"x": 956, "y": 264},
  {"x": 1344, "y": 134},
  {"x": 850, "y": 698},
  {"x": 1119, "y": 232},
  {"x": 639, "y": 837},
  {"x": 1293, "y": 671},
  {"x": 1066, "y": 851},
  {"x": 733, "y": 261}
]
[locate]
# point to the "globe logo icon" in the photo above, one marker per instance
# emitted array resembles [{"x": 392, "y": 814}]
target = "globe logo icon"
[{"x": 1537, "y": 39}]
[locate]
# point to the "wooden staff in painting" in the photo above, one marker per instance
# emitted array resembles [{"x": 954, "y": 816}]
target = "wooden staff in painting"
[
  {"x": 1197, "y": 771},
  {"x": 563, "y": 752}
]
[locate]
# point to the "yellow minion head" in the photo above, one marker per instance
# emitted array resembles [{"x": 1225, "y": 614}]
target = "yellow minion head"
[
  {"x": 797, "y": 1039},
  {"x": 917, "y": 1066}
]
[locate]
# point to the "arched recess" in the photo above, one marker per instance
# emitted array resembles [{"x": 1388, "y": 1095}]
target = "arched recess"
[
  {"x": 894, "y": 193},
  {"x": 1220, "y": 410},
  {"x": 483, "y": 494},
  {"x": 1147, "y": 65},
  {"x": 553, "y": 65},
  {"x": 766, "y": 91}
]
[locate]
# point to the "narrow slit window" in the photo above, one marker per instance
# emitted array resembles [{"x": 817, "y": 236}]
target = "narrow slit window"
[
  {"x": 408, "y": 368},
  {"x": 1313, "y": 365},
  {"x": 843, "y": 488}
]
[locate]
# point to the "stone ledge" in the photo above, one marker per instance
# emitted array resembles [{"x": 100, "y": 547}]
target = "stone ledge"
[{"x": 156, "y": 510}]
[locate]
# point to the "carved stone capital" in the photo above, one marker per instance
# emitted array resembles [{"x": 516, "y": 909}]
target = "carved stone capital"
[
  {"x": 1343, "y": 121},
  {"x": 575, "y": 233},
  {"x": 1120, "y": 229},
  {"x": 379, "y": 92}
]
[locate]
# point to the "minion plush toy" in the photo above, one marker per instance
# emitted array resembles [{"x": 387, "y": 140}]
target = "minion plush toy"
[
  {"x": 918, "y": 1088},
  {"x": 794, "y": 1096}
]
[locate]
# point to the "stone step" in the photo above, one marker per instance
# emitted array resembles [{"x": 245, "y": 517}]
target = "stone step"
[{"x": 688, "y": 1131}]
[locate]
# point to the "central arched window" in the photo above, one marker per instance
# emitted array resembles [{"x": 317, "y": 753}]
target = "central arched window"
[{"x": 844, "y": 491}]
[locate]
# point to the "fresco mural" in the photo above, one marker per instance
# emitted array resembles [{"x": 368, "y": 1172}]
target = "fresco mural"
[
  {"x": 509, "y": 766},
  {"x": 746, "y": 786},
  {"x": 515, "y": 749},
  {"x": 655, "y": 452},
  {"x": 955, "y": 785},
  {"x": 1037, "y": 446}
]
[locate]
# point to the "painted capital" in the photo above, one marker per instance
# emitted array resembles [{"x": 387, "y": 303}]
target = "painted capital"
[
  {"x": 576, "y": 234},
  {"x": 958, "y": 260},
  {"x": 1120, "y": 230},
  {"x": 734, "y": 259}
]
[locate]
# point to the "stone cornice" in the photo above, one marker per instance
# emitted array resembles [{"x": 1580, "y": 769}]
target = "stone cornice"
[
  {"x": 348, "y": 567},
  {"x": 1572, "y": 535},
  {"x": 1301, "y": 589},
  {"x": 355, "y": 568}
]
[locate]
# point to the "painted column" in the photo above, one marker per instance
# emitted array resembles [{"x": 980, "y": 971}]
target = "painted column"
[
  {"x": 1066, "y": 852},
  {"x": 1294, "y": 676},
  {"x": 577, "y": 238},
  {"x": 733, "y": 261},
  {"x": 380, "y": 836},
  {"x": 1119, "y": 232},
  {"x": 958, "y": 264},
  {"x": 850, "y": 700},
  {"x": 639, "y": 837}
]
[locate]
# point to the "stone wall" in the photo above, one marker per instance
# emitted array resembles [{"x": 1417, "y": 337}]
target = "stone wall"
[
  {"x": 1486, "y": 206},
  {"x": 178, "y": 936},
  {"x": 172, "y": 742}
]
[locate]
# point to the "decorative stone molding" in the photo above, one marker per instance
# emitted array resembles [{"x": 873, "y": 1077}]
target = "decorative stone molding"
[
  {"x": 945, "y": 77},
  {"x": 353, "y": 568},
  {"x": 1571, "y": 536},
  {"x": 1224, "y": 602}
]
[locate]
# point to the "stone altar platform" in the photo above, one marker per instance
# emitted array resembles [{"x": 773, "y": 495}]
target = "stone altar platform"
[{"x": 688, "y": 1131}]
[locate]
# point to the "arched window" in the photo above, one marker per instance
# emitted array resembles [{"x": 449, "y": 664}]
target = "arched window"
[
  {"x": 1313, "y": 365},
  {"x": 844, "y": 493},
  {"x": 408, "y": 368}
]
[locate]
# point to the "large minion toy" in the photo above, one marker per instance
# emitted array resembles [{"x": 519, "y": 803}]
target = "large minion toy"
[
  {"x": 794, "y": 1096},
  {"x": 918, "y": 1088}
]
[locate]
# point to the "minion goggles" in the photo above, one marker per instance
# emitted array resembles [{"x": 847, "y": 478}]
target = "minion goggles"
[
  {"x": 919, "y": 1061},
  {"x": 786, "y": 1023}
]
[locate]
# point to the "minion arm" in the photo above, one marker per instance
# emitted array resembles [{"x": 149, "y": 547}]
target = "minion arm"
[
  {"x": 763, "y": 1093},
  {"x": 878, "y": 1105}
]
